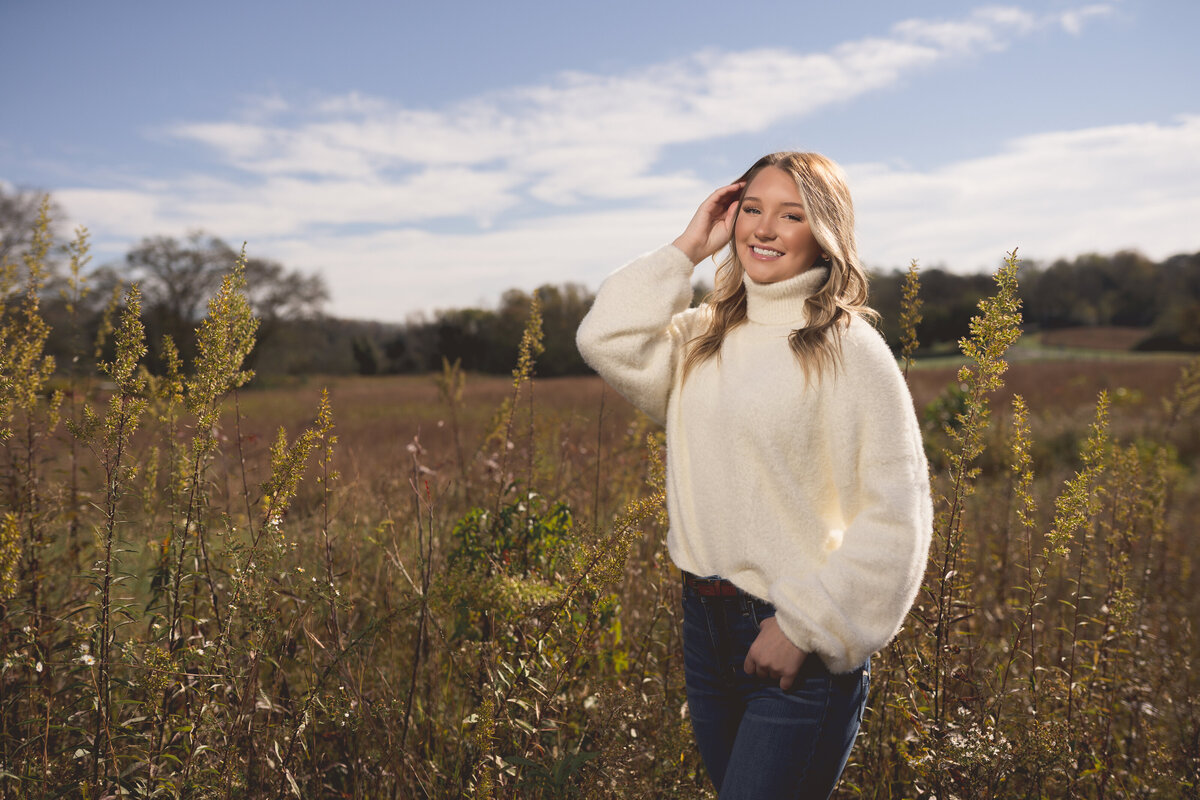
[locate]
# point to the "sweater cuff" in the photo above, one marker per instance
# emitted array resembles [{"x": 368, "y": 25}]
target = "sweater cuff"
[
  {"x": 675, "y": 258},
  {"x": 795, "y": 634}
]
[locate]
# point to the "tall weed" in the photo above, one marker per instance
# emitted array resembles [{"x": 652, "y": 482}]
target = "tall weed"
[{"x": 485, "y": 608}]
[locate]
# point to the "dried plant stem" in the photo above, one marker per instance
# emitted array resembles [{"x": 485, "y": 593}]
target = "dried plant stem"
[
  {"x": 425, "y": 549},
  {"x": 910, "y": 315},
  {"x": 599, "y": 458}
]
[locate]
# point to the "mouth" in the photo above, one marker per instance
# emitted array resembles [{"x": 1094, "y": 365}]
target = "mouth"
[{"x": 764, "y": 252}]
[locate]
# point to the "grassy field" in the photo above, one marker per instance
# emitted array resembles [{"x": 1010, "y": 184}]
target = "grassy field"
[
  {"x": 456, "y": 585},
  {"x": 1100, "y": 337},
  {"x": 375, "y": 411}
]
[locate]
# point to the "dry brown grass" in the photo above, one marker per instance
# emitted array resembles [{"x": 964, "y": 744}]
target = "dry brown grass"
[
  {"x": 1063, "y": 385},
  {"x": 375, "y": 411},
  {"x": 426, "y": 645},
  {"x": 1094, "y": 337},
  {"x": 480, "y": 604}
]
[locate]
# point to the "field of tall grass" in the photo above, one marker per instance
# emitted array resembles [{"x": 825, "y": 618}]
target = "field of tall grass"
[{"x": 457, "y": 586}]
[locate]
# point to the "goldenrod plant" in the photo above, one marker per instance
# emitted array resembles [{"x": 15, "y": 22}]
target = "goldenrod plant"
[
  {"x": 448, "y": 590},
  {"x": 910, "y": 314}
]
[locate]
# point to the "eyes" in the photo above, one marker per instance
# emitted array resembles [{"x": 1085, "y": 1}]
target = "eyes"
[{"x": 794, "y": 216}]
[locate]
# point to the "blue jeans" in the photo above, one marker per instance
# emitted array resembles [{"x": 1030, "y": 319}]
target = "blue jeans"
[{"x": 758, "y": 741}]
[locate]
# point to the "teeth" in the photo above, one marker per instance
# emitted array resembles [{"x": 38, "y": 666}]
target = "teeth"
[{"x": 762, "y": 251}]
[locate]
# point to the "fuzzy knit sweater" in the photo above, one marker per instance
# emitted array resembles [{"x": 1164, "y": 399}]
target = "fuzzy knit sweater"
[{"x": 811, "y": 496}]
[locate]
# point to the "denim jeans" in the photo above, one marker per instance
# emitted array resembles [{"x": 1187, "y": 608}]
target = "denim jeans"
[{"x": 758, "y": 741}]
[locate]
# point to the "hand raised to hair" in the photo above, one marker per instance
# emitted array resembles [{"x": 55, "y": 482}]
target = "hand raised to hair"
[
  {"x": 712, "y": 224},
  {"x": 772, "y": 655}
]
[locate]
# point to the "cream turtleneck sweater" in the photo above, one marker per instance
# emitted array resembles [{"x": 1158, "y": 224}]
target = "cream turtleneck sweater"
[{"x": 814, "y": 497}]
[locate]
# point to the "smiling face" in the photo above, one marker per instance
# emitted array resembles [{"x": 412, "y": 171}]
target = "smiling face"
[{"x": 771, "y": 235}]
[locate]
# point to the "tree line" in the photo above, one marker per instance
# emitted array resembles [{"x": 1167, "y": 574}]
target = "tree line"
[
  {"x": 177, "y": 277},
  {"x": 1123, "y": 289}
]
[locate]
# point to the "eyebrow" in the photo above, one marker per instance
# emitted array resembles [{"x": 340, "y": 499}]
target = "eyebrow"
[{"x": 757, "y": 200}]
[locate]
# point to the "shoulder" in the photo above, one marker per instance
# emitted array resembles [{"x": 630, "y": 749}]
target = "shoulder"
[
  {"x": 868, "y": 378},
  {"x": 870, "y": 400},
  {"x": 864, "y": 349}
]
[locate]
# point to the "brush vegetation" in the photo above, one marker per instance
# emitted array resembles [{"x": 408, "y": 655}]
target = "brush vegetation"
[{"x": 457, "y": 586}]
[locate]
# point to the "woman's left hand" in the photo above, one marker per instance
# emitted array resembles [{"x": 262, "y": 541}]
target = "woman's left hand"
[{"x": 774, "y": 656}]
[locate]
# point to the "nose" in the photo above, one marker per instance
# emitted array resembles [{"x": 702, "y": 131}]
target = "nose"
[{"x": 765, "y": 229}]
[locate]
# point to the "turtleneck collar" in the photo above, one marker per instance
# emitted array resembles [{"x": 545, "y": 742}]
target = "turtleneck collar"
[{"x": 782, "y": 302}]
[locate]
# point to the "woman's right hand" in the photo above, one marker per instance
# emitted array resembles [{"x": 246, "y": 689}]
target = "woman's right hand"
[{"x": 712, "y": 225}]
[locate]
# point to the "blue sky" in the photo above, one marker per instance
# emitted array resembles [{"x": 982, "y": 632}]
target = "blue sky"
[{"x": 432, "y": 155}]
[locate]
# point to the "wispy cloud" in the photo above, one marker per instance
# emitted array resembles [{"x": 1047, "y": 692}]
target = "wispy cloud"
[
  {"x": 358, "y": 185},
  {"x": 1052, "y": 194},
  {"x": 1072, "y": 21},
  {"x": 583, "y": 136}
]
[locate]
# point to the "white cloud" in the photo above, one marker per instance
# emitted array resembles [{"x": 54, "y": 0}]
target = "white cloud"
[
  {"x": 355, "y": 185},
  {"x": 1018, "y": 18},
  {"x": 389, "y": 274},
  {"x": 583, "y": 138},
  {"x": 290, "y": 205},
  {"x": 1050, "y": 194},
  {"x": 545, "y": 136},
  {"x": 984, "y": 29},
  {"x": 1072, "y": 21},
  {"x": 118, "y": 213}
]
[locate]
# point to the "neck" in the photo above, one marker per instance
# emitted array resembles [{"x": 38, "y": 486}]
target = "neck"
[{"x": 782, "y": 302}]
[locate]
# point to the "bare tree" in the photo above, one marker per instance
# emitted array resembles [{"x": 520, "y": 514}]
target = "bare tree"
[
  {"x": 278, "y": 294},
  {"x": 178, "y": 277},
  {"x": 18, "y": 211}
]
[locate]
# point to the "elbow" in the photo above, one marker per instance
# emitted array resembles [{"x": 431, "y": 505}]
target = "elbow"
[{"x": 588, "y": 342}]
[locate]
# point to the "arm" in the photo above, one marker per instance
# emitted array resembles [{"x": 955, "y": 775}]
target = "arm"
[
  {"x": 854, "y": 603},
  {"x": 636, "y": 327},
  {"x": 631, "y": 335}
]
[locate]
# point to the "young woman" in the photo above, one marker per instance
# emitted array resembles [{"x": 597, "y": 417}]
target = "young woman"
[{"x": 797, "y": 487}]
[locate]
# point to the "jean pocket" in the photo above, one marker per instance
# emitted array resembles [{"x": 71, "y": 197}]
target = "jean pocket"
[
  {"x": 758, "y": 611},
  {"x": 866, "y": 688}
]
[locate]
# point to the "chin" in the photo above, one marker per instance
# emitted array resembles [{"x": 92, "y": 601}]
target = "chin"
[{"x": 770, "y": 276}]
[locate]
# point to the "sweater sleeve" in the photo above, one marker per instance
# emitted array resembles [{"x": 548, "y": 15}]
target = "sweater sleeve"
[
  {"x": 855, "y": 602},
  {"x": 637, "y": 326}
]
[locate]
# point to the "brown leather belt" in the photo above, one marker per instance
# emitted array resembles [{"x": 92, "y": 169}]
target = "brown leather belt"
[{"x": 710, "y": 587}]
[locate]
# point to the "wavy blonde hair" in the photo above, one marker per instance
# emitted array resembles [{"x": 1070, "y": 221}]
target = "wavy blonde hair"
[{"x": 830, "y": 214}]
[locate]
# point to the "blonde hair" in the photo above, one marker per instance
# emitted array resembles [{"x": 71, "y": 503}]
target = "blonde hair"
[{"x": 830, "y": 214}]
